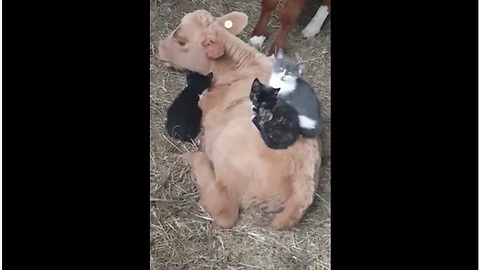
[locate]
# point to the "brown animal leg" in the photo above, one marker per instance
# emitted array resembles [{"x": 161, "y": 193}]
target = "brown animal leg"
[
  {"x": 260, "y": 31},
  {"x": 289, "y": 13},
  {"x": 214, "y": 195},
  {"x": 326, "y": 3}
]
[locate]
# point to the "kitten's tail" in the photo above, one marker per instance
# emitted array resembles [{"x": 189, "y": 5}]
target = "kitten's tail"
[{"x": 304, "y": 184}]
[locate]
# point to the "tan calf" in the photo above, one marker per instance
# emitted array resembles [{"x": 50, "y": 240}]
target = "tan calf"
[{"x": 235, "y": 169}]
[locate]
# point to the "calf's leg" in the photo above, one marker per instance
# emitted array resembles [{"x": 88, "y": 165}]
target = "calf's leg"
[{"x": 215, "y": 197}]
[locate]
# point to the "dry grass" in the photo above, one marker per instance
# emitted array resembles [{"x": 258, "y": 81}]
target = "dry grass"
[{"x": 182, "y": 235}]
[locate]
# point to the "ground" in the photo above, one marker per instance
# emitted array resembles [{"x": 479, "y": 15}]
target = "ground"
[{"x": 182, "y": 234}]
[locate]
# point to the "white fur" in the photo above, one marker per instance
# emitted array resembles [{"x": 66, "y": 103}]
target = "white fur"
[
  {"x": 201, "y": 96},
  {"x": 306, "y": 122},
  {"x": 286, "y": 85},
  {"x": 257, "y": 41},
  {"x": 316, "y": 23}
]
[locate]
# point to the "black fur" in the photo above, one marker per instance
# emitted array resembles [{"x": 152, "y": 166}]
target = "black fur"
[
  {"x": 184, "y": 115},
  {"x": 283, "y": 128}
]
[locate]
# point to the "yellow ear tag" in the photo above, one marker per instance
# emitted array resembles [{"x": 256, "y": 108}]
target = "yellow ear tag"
[{"x": 228, "y": 24}]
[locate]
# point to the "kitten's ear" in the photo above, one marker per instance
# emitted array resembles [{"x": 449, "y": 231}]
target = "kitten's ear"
[
  {"x": 279, "y": 54},
  {"x": 256, "y": 85},
  {"x": 210, "y": 75},
  {"x": 301, "y": 67}
]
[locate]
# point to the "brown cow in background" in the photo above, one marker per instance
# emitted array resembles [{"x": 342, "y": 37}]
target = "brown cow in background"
[{"x": 289, "y": 13}]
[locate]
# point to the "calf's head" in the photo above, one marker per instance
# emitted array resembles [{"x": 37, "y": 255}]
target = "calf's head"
[{"x": 196, "y": 42}]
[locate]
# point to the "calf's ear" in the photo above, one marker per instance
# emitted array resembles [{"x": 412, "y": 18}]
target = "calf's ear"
[
  {"x": 212, "y": 48},
  {"x": 234, "y": 22}
]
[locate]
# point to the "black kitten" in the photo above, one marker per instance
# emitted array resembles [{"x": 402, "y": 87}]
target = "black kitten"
[
  {"x": 276, "y": 120},
  {"x": 184, "y": 115}
]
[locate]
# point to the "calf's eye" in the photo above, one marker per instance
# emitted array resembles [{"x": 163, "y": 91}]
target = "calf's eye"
[{"x": 181, "y": 43}]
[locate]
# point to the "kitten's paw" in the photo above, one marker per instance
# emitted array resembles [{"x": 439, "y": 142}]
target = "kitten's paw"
[
  {"x": 257, "y": 41},
  {"x": 306, "y": 122}
]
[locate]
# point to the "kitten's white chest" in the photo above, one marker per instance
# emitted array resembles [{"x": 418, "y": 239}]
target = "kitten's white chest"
[
  {"x": 201, "y": 96},
  {"x": 287, "y": 85}
]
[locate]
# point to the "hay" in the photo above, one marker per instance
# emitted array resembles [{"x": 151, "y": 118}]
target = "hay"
[{"x": 182, "y": 234}]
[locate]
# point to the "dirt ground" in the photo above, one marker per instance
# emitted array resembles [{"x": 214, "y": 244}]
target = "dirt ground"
[{"x": 182, "y": 234}]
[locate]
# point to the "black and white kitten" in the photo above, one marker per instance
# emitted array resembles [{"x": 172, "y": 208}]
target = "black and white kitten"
[
  {"x": 276, "y": 120},
  {"x": 184, "y": 115},
  {"x": 286, "y": 75}
]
